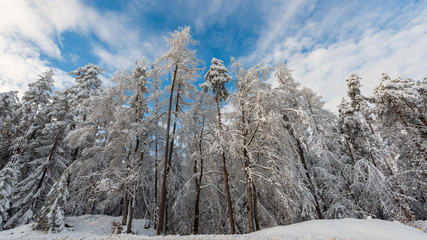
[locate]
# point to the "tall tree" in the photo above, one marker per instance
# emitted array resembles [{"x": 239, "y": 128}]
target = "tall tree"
[
  {"x": 8, "y": 102},
  {"x": 28, "y": 149},
  {"x": 88, "y": 85},
  {"x": 178, "y": 59},
  {"x": 216, "y": 78},
  {"x": 401, "y": 117}
]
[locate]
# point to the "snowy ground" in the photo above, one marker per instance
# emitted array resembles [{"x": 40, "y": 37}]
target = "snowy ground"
[{"x": 99, "y": 227}]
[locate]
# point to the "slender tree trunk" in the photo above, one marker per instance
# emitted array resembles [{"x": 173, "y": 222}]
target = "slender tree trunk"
[
  {"x": 51, "y": 154},
  {"x": 166, "y": 218},
  {"x": 174, "y": 128},
  {"x": 307, "y": 173},
  {"x": 406, "y": 126},
  {"x": 165, "y": 165},
  {"x": 249, "y": 202},
  {"x": 171, "y": 151},
  {"x": 350, "y": 152},
  {"x": 224, "y": 167},
  {"x": 18, "y": 150},
  {"x": 198, "y": 186},
  {"x": 130, "y": 217},
  {"x": 404, "y": 206},
  {"x": 125, "y": 209},
  {"x": 248, "y": 180},
  {"x": 419, "y": 114},
  {"x": 369, "y": 124},
  {"x": 255, "y": 198},
  {"x": 156, "y": 182},
  {"x": 75, "y": 152},
  {"x": 196, "y": 207}
]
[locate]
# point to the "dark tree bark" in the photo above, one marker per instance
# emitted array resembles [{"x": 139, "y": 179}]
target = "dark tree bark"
[
  {"x": 224, "y": 167},
  {"x": 248, "y": 183},
  {"x": 75, "y": 153},
  {"x": 130, "y": 218},
  {"x": 198, "y": 182},
  {"x": 51, "y": 154},
  {"x": 165, "y": 164},
  {"x": 307, "y": 173},
  {"x": 156, "y": 182},
  {"x": 125, "y": 209},
  {"x": 406, "y": 126},
  {"x": 255, "y": 198}
]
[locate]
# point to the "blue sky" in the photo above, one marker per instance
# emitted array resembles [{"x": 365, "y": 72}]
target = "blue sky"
[{"x": 322, "y": 41}]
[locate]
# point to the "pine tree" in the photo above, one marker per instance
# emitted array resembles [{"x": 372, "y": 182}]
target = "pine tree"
[
  {"x": 88, "y": 85},
  {"x": 8, "y": 102},
  {"x": 51, "y": 217},
  {"x": 33, "y": 117},
  {"x": 370, "y": 157},
  {"x": 8, "y": 179},
  {"x": 400, "y": 110},
  {"x": 296, "y": 124},
  {"x": 216, "y": 78}
]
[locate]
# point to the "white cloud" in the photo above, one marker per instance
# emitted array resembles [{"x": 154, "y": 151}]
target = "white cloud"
[
  {"x": 325, "y": 47},
  {"x": 31, "y": 29}
]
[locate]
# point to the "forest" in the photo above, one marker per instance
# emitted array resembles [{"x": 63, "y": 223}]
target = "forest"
[{"x": 245, "y": 150}]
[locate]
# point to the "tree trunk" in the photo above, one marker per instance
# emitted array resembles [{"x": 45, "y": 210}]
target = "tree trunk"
[
  {"x": 171, "y": 150},
  {"x": 249, "y": 203},
  {"x": 350, "y": 153},
  {"x": 307, "y": 173},
  {"x": 198, "y": 186},
  {"x": 406, "y": 126},
  {"x": 74, "y": 158},
  {"x": 51, "y": 153},
  {"x": 165, "y": 165},
  {"x": 125, "y": 209},
  {"x": 155, "y": 183},
  {"x": 166, "y": 218},
  {"x": 130, "y": 217},
  {"x": 224, "y": 167},
  {"x": 254, "y": 195},
  {"x": 419, "y": 114},
  {"x": 18, "y": 150},
  {"x": 196, "y": 207},
  {"x": 174, "y": 128}
]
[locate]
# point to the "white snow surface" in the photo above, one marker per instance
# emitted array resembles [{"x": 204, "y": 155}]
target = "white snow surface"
[{"x": 98, "y": 227}]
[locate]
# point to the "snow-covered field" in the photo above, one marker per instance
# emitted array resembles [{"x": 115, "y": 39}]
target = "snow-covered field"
[{"x": 99, "y": 227}]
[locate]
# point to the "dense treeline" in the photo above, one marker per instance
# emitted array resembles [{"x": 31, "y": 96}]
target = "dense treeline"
[{"x": 156, "y": 146}]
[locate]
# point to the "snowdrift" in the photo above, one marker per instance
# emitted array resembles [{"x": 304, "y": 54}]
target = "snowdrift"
[
  {"x": 99, "y": 227},
  {"x": 335, "y": 229}
]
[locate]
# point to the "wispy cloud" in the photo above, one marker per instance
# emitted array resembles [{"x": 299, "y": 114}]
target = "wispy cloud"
[
  {"x": 324, "y": 43},
  {"x": 31, "y": 34}
]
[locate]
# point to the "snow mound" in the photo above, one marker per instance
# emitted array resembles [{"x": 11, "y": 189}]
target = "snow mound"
[
  {"x": 348, "y": 229},
  {"x": 97, "y": 227}
]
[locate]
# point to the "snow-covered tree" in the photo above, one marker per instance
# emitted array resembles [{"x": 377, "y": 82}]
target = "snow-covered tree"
[
  {"x": 297, "y": 122},
  {"x": 401, "y": 119},
  {"x": 156, "y": 133},
  {"x": 88, "y": 85},
  {"x": 128, "y": 133},
  {"x": 372, "y": 175},
  {"x": 8, "y": 179},
  {"x": 51, "y": 216},
  {"x": 216, "y": 78},
  {"x": 181, "y": 64},
  {"x": 8, "y": 102},
  {"x": 33, "y": 119}
]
